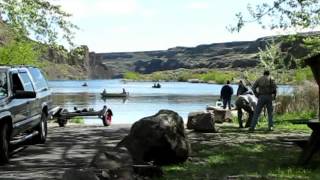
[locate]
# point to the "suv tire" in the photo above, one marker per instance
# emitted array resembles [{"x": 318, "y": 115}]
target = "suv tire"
[
  {"x": 42, "y": 129},
  {"x": 4, "y": 143}
]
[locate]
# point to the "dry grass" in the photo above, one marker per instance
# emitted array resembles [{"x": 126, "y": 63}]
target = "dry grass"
[{"x": 304, "y": 99}]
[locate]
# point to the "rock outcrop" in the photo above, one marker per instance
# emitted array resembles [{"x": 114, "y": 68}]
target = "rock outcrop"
[
  {"x": 228, "y": 55},
  {"x": 160, "y": 139},
  {"x": 218, "y": 55}
]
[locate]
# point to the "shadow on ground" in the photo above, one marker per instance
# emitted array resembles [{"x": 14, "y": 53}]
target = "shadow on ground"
[{"x": 65, "y": 148}]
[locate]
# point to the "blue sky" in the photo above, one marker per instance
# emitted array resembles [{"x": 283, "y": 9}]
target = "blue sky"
[{"x": 139, "y": 25}]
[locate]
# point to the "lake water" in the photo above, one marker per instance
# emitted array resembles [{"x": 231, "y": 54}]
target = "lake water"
[{"x": 143, "y": 101}]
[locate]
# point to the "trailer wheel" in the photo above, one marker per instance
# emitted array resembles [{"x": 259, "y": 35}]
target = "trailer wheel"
[
  {"x": 4, "y": 143},
  {"x": 106, "y": 121}
]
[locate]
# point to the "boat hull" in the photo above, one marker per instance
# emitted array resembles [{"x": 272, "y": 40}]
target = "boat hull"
[{"x": 119, "y": 95}]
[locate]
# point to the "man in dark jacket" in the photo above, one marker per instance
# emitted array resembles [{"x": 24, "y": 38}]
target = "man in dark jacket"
[
  {"x": 265, "y": 89},
  {"x": 225, "y": 95},
  {"x": 242, "y": 89}
]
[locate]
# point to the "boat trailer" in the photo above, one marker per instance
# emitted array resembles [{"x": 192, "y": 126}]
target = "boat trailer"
[{"x": 63, "y": 115}]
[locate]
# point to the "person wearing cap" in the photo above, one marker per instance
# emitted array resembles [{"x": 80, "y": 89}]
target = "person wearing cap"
[{"x": 265, "y": 89}]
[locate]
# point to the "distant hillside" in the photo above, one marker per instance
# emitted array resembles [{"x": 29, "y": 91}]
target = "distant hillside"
[
  {"x": 229, "y": 55},
  {"x": 218, "y": 55}
]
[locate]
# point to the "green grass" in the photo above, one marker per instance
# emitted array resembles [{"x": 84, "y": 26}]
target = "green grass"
[
  {"x": 132, "y": 76},
  {"x": 303, "y": 74},
  {"x": 242, "y": 160},
  {"x": 77, "y": 120},
  {"x": 217, "y": 76},
  {"x": 235, "y": 152},
  {"x": 288, "y": 121},
  {"x": 221, "y": 76}
]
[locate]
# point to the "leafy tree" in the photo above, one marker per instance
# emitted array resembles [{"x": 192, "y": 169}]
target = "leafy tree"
[
  {"x": 281, "y": 14},
  {"x": 284, "y": 14},
  {"x": 19, "y": 52},
  {"x": 312, "y": 43},
  {"x": 270, "y": 56},
  {"x": 37, "y": 18}
]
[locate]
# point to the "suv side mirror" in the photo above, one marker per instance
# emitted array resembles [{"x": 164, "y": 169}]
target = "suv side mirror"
[{"x": 19, "y": 94}]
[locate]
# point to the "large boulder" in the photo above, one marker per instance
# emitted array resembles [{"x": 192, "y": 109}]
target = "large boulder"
[
  {"x": 201, "y": 121},
  {"x": 159, "y": 138}
]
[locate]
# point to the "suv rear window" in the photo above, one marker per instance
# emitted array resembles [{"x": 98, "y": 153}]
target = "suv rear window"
[
  {"x": 39, "y": 80},
  {"x": 3, "y": 85},
  {"x": 27, "y": 84}
]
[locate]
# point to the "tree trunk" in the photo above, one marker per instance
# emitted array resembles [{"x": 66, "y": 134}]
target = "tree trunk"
[{"x": 314, "y": 63}]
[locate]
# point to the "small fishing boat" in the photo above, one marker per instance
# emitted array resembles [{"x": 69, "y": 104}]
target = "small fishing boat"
[
  {"x": 156, "y": 86},
  {"x": 118, "y": 95},
  {"x": 85, "y": 84}
]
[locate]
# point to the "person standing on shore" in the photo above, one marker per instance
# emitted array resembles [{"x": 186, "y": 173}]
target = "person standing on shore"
[
  {"x": 242, "y": 89},
  {"x": 225, "y": 95},
  {"x": 265, "y": 89}
]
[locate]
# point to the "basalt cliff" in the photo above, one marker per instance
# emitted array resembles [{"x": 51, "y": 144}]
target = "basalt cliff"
[{"x": 229, "y": 55}]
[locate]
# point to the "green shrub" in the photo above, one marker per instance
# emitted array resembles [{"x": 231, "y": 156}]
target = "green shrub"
[
  {"x": 303, "y": 74},
  {"x": 219, "y": 77},
  {"x": 132, "y": 75}
]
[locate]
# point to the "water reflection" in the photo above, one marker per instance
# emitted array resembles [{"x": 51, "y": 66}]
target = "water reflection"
[{"x": 107, "y": 99}]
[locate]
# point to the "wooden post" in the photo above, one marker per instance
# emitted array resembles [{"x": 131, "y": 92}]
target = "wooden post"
[{"x": 314, "y": 63}]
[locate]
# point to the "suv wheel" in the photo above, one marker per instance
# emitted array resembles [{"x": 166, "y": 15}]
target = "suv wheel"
[
  {"x": 42, "y": 129},
  {"x": 4, "y": 143}
]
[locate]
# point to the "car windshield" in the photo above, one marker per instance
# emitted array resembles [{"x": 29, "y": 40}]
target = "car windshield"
[{"x": 3, "y": 85}]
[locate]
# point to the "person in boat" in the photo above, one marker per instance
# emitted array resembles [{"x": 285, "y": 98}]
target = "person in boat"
[
  {"x": 104, "y": 91},
  {"x": 124, "y": 91},
  {"x": 85, "y": 84}
]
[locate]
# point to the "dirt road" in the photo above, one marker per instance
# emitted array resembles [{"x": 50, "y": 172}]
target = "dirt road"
[{"x": 69, "y": 147}]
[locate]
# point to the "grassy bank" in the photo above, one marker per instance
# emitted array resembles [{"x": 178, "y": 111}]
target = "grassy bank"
[
  {"x": 221, "y": 76},
  {"x": 242, "y": 156},
  {"x": 233, "y": 153}
]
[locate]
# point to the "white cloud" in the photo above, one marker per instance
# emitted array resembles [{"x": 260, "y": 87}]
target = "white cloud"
[
  {"x": 198, "y": 5},
  {"x": 94, "y": 8}
]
